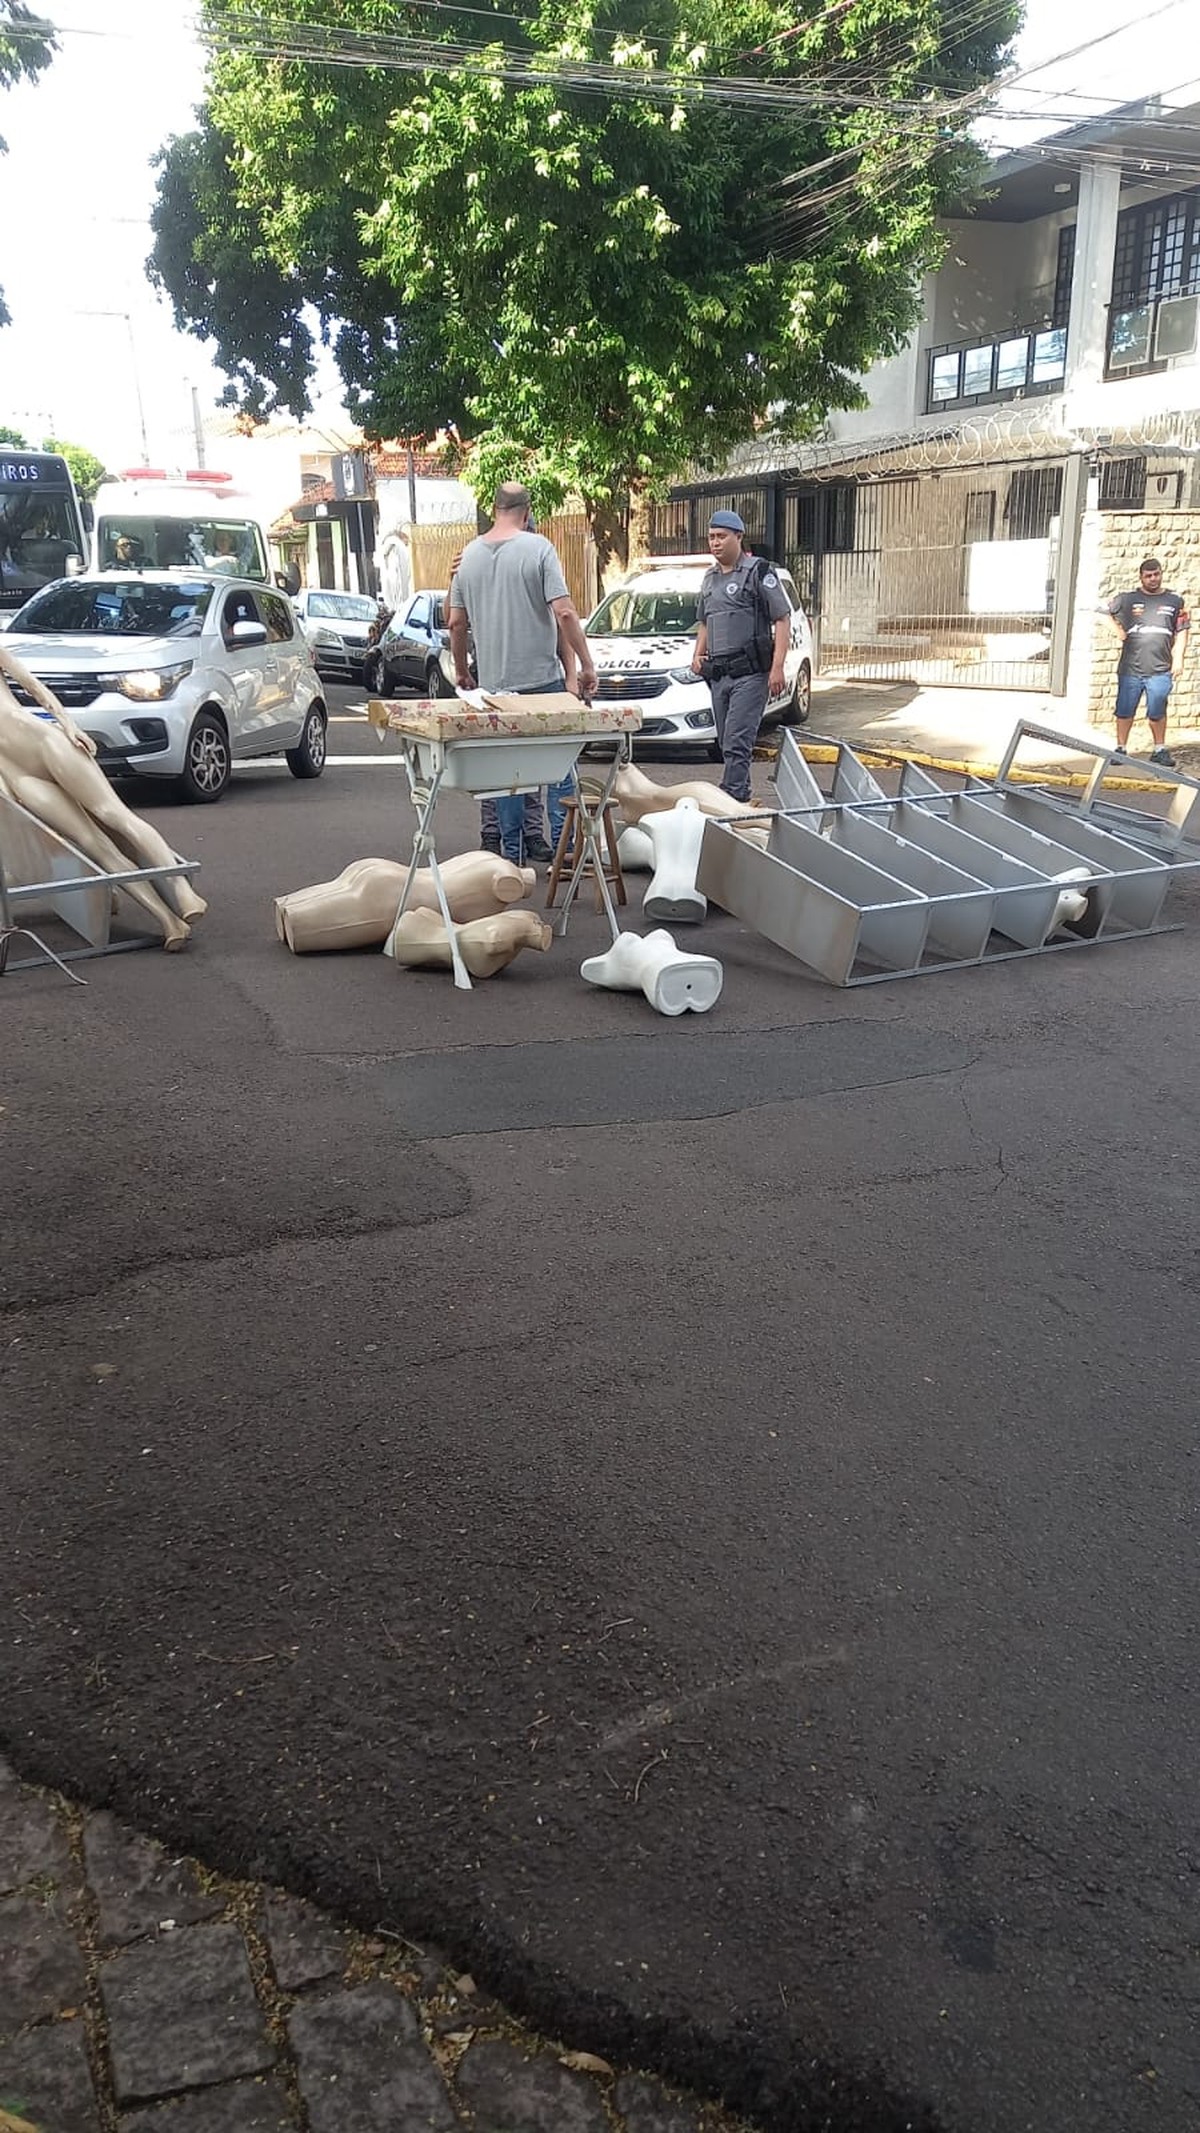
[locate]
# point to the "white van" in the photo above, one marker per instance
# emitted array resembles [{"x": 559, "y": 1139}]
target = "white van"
[
  {"x": 147, "y": 522},
  {"x": 642, "y": 637}
]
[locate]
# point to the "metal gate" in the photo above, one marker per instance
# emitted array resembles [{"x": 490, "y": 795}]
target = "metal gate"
[{"x": 949, "y": 576}]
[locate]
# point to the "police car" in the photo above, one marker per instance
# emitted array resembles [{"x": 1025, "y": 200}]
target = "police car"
[{"x": 642, "y": 638}]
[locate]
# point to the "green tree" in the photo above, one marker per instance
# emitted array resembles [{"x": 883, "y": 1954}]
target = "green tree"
[
  {"x": 13, "y": 437},
  {"x": 604, "y": 255},
  {"x": 27, "y": 44},
  {"x": 87, "y": 471}
]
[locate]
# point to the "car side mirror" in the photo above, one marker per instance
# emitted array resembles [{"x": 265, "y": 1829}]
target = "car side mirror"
[
  {"x": 247, "y": 634},
  {"x": 288, "y": 580}
]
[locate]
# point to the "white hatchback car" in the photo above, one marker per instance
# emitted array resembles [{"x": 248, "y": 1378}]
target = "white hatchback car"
[
  {"x": 176, "y": 675},
  {"x": 642, "y": 639}
]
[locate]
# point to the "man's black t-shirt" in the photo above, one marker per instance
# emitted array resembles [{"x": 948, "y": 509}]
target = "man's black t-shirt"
[{"x": 1151, "y": 622}]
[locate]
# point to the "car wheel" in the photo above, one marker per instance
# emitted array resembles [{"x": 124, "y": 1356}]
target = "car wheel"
[
  {"x": 207, "y": 763},
  {"x": 436, "y": 680},
  {"x": 308, "y": 760},
  {"x": 797, "y": 712},
  {"x": 372, "y": 675}
]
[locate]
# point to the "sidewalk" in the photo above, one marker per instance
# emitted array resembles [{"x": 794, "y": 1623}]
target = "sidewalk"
[
  {"x": 967, "y": 725},
  {"x": 141, "y": 1994}
]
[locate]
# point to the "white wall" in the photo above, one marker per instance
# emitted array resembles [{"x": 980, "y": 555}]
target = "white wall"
[
  {"x": 984, "y": 284},
  {"x": 440, "y": 502}
]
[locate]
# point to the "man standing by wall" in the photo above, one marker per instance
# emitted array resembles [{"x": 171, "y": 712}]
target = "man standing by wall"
[
  {"x": 740, "y": 596},
  {"x": 510, "y": 594},
  {"x": 1152, "y": 624}
]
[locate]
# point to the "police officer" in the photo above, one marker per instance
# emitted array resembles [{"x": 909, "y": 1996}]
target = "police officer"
[{"x": 738, "y": 599}]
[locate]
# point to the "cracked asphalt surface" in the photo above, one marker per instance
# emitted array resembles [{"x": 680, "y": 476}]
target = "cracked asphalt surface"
[{"x": 699, "y": 1519}]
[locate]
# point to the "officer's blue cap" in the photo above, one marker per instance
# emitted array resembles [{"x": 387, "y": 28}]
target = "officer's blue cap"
[{"x": 727, "y": 522}]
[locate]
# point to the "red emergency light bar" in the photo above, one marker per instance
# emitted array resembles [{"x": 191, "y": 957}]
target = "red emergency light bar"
[{"x": 199, "y": 474}]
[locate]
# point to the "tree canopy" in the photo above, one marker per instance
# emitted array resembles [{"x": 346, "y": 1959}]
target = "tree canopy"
[
  {"x": 605, "y": 253},
  {"x": 87, "y": 472},
  {"x": 27, "y": 44}
]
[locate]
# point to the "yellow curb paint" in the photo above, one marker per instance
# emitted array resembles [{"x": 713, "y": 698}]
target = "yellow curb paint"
[{"x": 889, "y": 758}]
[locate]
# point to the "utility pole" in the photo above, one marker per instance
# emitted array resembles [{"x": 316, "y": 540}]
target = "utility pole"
[
  {"x": 197, "y": 426},
  {"x": 412, "y": 487},
  {"x": 133, "y": 366}
]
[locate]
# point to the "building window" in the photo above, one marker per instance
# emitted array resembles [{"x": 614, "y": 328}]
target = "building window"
[
  {"x": 1154, "y": 314},
  {"x": 670, "y": 527},
  {"x": 1033, "y": 501},
  {"x": 823, "y": 519},
  {"x": 979, "y": 517},
  {"x": 1063, "y": 274},
  {"x": 1001, "y": 369},
  {"x": 1122, "y": 484}
]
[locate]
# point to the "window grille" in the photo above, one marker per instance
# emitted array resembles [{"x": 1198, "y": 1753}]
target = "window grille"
[
  {"x": 1034, "y": 498},
  {"x": 1122, "y": 484},
  {"x": 1062, "y": 275}
]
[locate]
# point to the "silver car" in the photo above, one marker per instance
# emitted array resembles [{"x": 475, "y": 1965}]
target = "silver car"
[
  {"x": 338, "y": 627},
  {"x": 177, "y": 676}
]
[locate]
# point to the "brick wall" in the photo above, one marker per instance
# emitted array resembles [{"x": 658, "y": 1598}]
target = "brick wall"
[{"x": 1112, "y": 545}]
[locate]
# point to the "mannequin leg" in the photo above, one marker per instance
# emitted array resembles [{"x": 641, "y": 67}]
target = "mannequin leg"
[
  {"x": 60, "y": 812},
  {"x": 81, "y": 779}
]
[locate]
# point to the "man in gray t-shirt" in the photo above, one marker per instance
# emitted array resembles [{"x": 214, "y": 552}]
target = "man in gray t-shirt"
[
  {"x": 506, "y": 588},
  {"x": 509, "y": 594}
]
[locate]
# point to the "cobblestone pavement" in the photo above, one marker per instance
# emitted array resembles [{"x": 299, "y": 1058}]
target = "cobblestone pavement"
[{"x": 141, "y": 1994}]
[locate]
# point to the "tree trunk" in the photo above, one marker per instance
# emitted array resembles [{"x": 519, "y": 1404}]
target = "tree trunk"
[{"x": 609, "y": 528}]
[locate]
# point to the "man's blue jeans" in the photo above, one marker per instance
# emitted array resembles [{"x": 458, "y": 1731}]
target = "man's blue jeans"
[
  {"x": 1129, "y": 694},
  {"x": 516, "y": 816}
]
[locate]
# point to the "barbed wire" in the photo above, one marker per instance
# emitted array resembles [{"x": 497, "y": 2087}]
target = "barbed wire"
[{"x": 1002, "y": 433}]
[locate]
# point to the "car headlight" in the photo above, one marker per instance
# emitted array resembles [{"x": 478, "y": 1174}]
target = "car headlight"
[
  {"x": 684, "y": 674},
  {"x": 149, "y": 685},
  {"x": 329, "y": 638}
]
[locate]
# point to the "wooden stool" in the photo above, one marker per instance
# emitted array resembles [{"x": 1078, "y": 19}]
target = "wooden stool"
[{"x": 572, "y": 843}]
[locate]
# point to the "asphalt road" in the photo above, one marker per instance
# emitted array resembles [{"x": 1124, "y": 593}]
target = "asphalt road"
[{"x": 697, "y": 1516}]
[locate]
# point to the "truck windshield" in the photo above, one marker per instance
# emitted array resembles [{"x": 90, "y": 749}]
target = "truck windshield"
[
  {"x": 231, "y": 546},
  {"x": 116, "y": 607}
]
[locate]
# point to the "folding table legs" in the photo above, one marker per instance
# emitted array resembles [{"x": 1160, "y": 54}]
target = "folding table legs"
[{"x": 425, "y": 800}]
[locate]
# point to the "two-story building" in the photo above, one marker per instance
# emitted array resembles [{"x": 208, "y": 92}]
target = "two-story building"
[{"x": 1035, "y": 438}]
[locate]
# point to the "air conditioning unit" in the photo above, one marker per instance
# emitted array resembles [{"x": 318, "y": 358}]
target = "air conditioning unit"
[
  {"x": 1176, "y": 327},
  {"x": 1163, "y": 492}
]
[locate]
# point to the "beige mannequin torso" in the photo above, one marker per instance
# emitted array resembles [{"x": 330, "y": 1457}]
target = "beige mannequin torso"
[
  {"x": 487, "y": 945},
  {"x": 357, "y": 910},
  {"x": 638, "y": 795}
]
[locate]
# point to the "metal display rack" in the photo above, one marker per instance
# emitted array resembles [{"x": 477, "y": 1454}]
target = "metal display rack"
[{"x": 860, "y": 885}]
